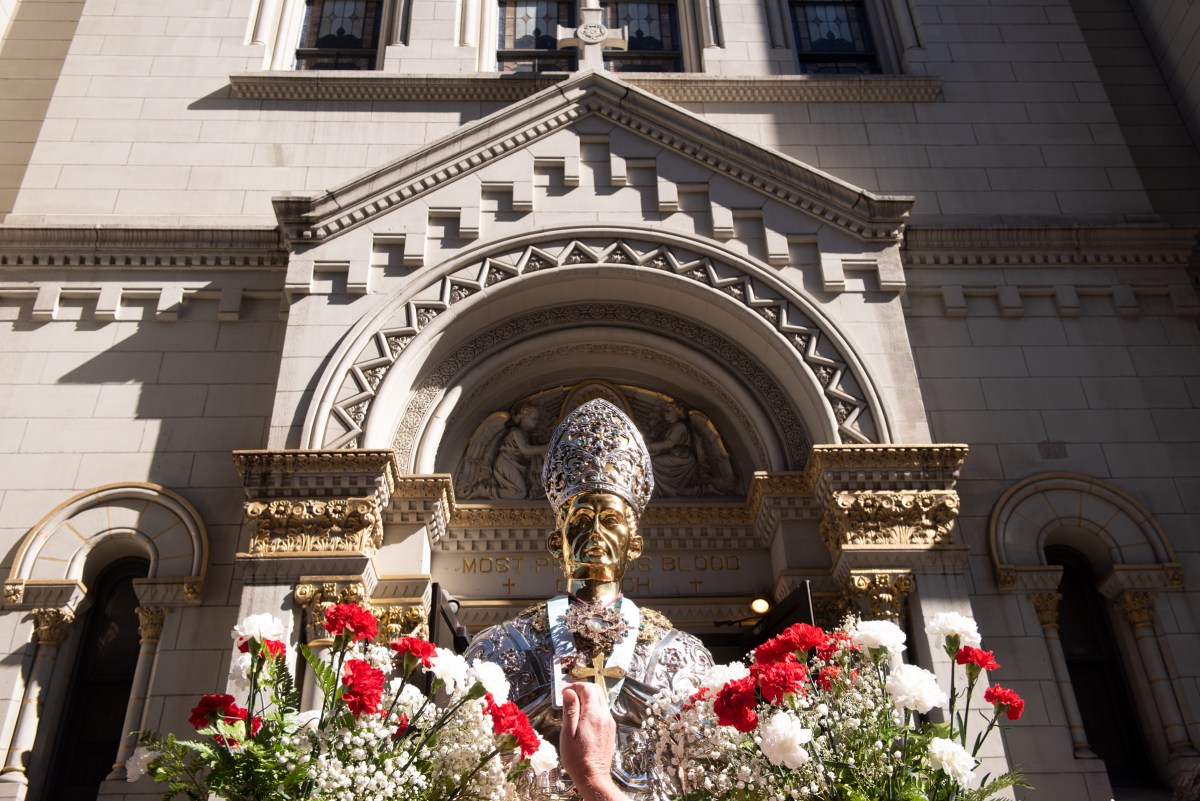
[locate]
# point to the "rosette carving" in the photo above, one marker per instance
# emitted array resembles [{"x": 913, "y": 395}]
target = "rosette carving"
[
  {"x": 906, "y": 518},
  {"x": 307, "y": 526}
]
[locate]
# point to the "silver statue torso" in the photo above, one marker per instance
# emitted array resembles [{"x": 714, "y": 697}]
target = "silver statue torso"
[{"x": 664, "y": 658}]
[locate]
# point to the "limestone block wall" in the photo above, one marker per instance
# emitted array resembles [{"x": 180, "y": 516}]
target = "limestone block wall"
[
  {"x": 142, "y": 125},
  {"x": 137, "y": 390},
  {"x": 1173, "y": 30},
  {"x": 1104, "y": 384}
]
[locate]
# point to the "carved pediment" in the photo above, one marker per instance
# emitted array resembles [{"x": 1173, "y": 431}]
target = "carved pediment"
[{"x": 866, "y": 216}]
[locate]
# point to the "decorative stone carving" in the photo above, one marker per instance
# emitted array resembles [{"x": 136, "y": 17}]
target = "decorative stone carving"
[
  {"x": 14, "y": 593},
  {"x": 315, "y": 526},
  {"x": 795, "y": 439},
  {"x": 503, "y": 459},
  {"x": 1138, "y": 608},
  {"x": 883, "y": 591},
  {"x": 402, "y": 621},
  {"x": 1046, "y": 604},
  {"x": 150, "y": 622},
  {"x": 922, "y": 519},
  {"x": 52, "y": 625}
]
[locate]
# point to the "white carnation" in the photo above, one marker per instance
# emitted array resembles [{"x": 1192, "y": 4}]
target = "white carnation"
[
  {"x": 720, "y": 675},
  {"x": 239, "y": 674},
  {"x": 783, "y": 738},
  {"x": 308, "y": 719},
  {"x": 493, "y": 679},
  {"x": 914, "y": 688},
  {"x": 949, "y": 624},
  {"x": 878, "y": 634},
  {"x": 259, "y": 627},
  {"x": 952, "y": 759},
  {"x": 545, "y": 758},
  {"x": 452, "y": 669},
  {"x": 139, "y": 763}
]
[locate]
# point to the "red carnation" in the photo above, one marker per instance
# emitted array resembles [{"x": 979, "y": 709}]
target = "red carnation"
[
  {"x": 734, "y": 705},
  {"x": 359, "y": 621},
  {"x": 420, "y": 649},
  {"x": 783, "y": 648},
  {"x": 1005, "y": 700},
  {"x": 699, "y": 695},
  {"x": 507, "y": 718},
  {"x": 212, "y": 707},
  {"x": 985, "y": 660},
  {"x": 221, "y": 707},
  {"x": 834, "y": 642},
  {"x": 273, "y": 648},
  {"x": 401, "y": 727},
  {"x": 778, "y": 679},
  {"x": 364, "y": 687},
  {"x": 829, "y": 675}
]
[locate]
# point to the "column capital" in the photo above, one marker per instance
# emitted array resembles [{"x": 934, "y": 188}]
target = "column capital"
[
  {"x": 1138, "y": 608},
  {"x": 150, "y": 622},
  {"x": 883, "y": 591},
  {"x": 1046, "y": 604},
  {"x": 918, "y": 519},
  {"x": 52, "y": 625}
]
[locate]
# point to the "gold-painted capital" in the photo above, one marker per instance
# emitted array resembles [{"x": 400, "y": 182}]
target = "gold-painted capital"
[
  {"x": 1046, "y": 604},
  {"x": 150, "y": 622},
  {"x": 920, "y": 519},
  {"x": 322, "y": 526},
  {"x": 1138, "y": 608},
  {"x": 409, "y": 620},
  {"x": 52, "y": 625},
  {"x": 884, "y": 591}
]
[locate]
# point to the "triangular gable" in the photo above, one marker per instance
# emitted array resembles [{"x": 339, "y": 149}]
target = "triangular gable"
[{"x": 867, "y": 216}]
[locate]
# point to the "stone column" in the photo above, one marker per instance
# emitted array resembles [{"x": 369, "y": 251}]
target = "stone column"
[
  {"x": 1046, "y": 604},
  {"x": 1138, "y": 608},
  {"x": 51, "y": 630},
  {"x": 150, "y": 626}
]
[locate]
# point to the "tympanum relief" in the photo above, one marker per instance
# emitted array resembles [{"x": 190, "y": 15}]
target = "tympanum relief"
[{"x": 503, "y": 458}]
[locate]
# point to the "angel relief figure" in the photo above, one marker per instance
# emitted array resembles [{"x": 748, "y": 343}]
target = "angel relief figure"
[
  {"x": 502, "y": 462},
  {"x": 689, "y": 458}
]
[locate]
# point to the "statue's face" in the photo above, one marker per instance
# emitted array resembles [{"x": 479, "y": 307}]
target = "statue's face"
[{"x": 597, "y": 538}]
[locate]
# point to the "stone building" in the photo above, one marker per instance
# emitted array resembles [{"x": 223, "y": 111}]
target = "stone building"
[{"x": 903, "y": 293}]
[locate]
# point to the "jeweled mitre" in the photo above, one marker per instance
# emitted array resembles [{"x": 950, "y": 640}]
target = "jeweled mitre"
[{"x": 596, "y": 448}]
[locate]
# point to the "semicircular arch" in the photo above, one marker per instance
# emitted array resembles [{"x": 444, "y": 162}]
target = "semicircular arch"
[
  {"x": 793, "y": 343},
  {"x": 113, "y": 521},
  {"x": 1109, "y": 526}
]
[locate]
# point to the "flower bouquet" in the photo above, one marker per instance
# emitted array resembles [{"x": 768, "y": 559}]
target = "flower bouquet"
[
  {"x": 375, "y": 736},
  {"x": 834, "y": 716}
]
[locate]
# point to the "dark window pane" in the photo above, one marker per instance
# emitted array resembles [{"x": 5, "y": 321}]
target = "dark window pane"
[
  {"x": 833, "y": 37},
  {"x": 1098, "y": 681},
  {"x": 90, "y": 729},
  {"x": 340, "y": 35},
  {"x": 527, "y": 36},
  {"x": 653, "y": 31}
]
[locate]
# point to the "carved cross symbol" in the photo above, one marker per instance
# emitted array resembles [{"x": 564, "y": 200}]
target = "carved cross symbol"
[
  {"x": 591, "y": 37},
  {"x": 598, "y": 673}
]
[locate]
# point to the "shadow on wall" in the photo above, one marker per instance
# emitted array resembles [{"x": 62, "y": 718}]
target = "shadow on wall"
[{"x": 32, "y": 52}]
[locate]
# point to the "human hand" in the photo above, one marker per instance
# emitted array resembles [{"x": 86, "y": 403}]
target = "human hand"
[{"x": 585, "y": 747}]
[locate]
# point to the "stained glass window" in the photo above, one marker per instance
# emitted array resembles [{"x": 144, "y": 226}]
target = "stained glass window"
[
  {"x": 653, "y": 30},
  {"x": 833, "y": 37},
  {"x": 527, "y": 36},
  {"x": 340, "y": 35}
]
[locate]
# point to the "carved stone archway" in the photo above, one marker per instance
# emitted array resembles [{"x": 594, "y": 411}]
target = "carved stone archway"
[{"x": 831, "y": 392}]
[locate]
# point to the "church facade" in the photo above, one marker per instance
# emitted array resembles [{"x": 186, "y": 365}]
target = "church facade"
[{"x": 902, "y": 295}]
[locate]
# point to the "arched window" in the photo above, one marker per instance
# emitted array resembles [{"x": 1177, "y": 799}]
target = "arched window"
[
  {"x": 1101, "y": 688},
  {"x": 90, "y": 730}
]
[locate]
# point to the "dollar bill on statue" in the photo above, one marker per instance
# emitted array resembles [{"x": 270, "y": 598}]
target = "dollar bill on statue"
[{"x": 598, "y": 477}]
